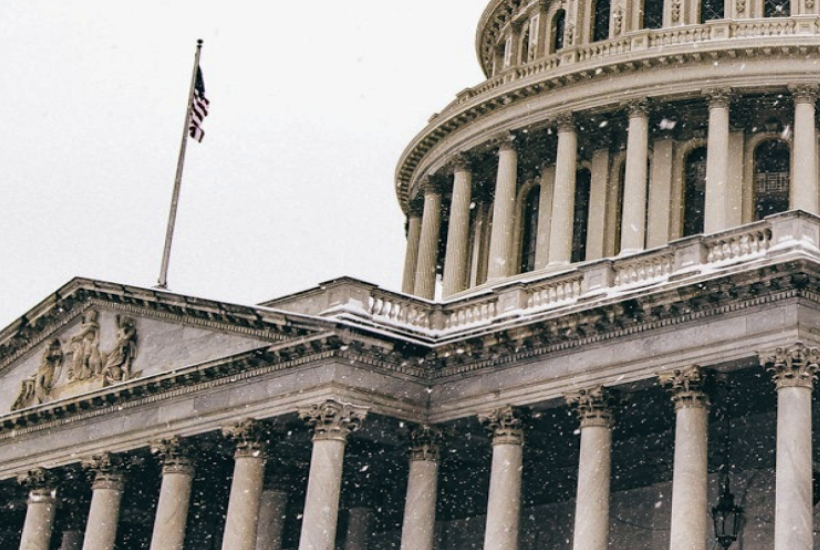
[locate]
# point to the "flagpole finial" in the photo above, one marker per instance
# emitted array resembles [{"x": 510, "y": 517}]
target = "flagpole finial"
[{"x": 199, "y": 43}]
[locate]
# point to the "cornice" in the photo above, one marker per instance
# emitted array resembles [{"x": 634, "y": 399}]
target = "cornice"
[{"x": 521, "y": 84}]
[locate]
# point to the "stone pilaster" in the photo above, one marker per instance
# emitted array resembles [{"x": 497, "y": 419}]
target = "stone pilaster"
[
  {"x": 717, "y": 160},
  {"x": 503, "y": 211},
  {"x": 331, "y": 423},
  {"x": 594, "y": 407},
  {"x": 106, "y": 497},
  {"x": 805, "y": 191},
  {"x": 252, "y": 438},
  {"x": 41, "y": 508},
  {"x": 458, "y": 234},
  {"x": 689, "y": 527},
  {"x": 633, "y": 222},
  {"x": 563, "y": 194},
  {"x": 506, "y": 428},
  {"x": 425, "y": 280},
  {"x": 418, "y": 529},
  {"x": 272, "y": 511},
  {"x": 177, "y": 460},
  {"x": 793, "y": 370}
]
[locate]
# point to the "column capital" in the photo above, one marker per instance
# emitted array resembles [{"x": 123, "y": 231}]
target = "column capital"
[
  {"x": 566, "y": 122},
  {"x": 251, "y": 437},
  {"x": 594, "y": 406},
  {"x": 425, "y": 443},
  {"x": 108, "y": 471},
  {"x": 332, "y": 420},
  {"x": 804, "y": 93},
  {"x": 505, "y": 425},
  {"x": 41, "y": 484},
  {"x": 718, "y": 98},
  {"x": 688, "y": 386},
  {"x": 431, "y": 186},
  {"x": 793, "y": 366},
  {"x": 461, "y": 162},
  {"x": 505, "y": 142},
  {"x": 637, "y": 108},
  {"x": 176, "y": 455}
]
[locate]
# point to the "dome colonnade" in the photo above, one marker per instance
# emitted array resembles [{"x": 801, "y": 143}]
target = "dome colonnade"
[{"x": 611, "y": 146}]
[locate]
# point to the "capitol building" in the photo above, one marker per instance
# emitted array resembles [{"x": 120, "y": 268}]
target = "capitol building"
[{"x": 608, "y": 333}]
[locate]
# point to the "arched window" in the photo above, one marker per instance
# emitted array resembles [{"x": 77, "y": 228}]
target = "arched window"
[
  {"x": 711, "y": 10},
  {"x": 772, "y": 178},
  {"x": 529, "y": 235},
  {"x": 652, "y": 14},
  {"x": 776, "y": 8},
  {"x": 559, "y": 22},
  {"x": 600, "y": 28},
  {"x": 694, "y": 192},
  {"x": 580, "y": 219},
  {"x": 525, "y": 46}
]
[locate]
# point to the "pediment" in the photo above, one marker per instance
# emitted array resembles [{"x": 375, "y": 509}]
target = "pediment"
[{"x": 83, "y": 341}]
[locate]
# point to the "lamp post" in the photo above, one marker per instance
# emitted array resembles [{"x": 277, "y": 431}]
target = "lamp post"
[{"x": 726, "y": 515}]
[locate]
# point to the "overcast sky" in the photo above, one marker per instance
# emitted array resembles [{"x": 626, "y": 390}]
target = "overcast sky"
[{"x": 311, "y": 105}]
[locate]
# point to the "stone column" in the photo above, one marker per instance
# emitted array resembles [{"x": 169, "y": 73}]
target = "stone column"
[
  {"x": 717, "y": 160},
  {"x": 563, "y": 194},
  {"x": 41, "y": 508},
  {"x": 174, "y": 494},
  {"x": 419, "y": 527},
  {"x": 411, "y": 257},
  {"x": 458, "y": 235},
  {"x": 359, "y": 525},
  {"x": 331, "y": 423},
  {"x": 594, "y": 407},
  {"x": 252, "y": 438},
  {"x": 501, "y": 238},
  {"x": 805, "y": 191},
  {"x": 425, "y": 283},
  {"x": 600, "y": 198},
  {"x": 542, "y": 242},
  {"x": 504, "y": 501},
  {"x": 633, "y": 221},
  {"x": 106, "y": 496},
  {"x": 690, "y": 525},
  {"x": 272, "y": 513},
  {"x": 794, "y": 370}
]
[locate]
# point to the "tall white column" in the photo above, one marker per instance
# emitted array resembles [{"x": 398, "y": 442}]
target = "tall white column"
[
  {"x": 594, "y": 407},
  {"x": 690, "y": 525},
  {"x": 419, "y": 527},
  {"x": 272, "y": 514},
  {"x": 504, "y": 501},
  {"x": 563, "y": 195},
  {"x": 174, "y": 494},
  {"x": 717, "y": 160},
  {"x": 251, "y": 438},
  {"x": 599, "y": 200},
  {"x": 425, "y": 280},
  {"x": 40, "y": 510},
  {"x": 633, "y": 221},
  {"x": 542, "y": 242},
  {"x": 104, "y": 515},
  {"x": 331, "y": 423},
  {"x": 411, "y": 257},
  {"x": 794, "y": 370},
  {"x": 458, "y": 235},
  {"x": 501, "y": 238},
  {"x": 805, "y": 191},
  {"x": 359, "y": 525}
]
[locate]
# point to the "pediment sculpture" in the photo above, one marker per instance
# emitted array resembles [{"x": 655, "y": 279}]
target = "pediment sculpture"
[{"x": 88, "y": 367}]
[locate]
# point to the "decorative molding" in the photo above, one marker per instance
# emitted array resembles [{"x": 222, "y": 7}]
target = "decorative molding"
[
  {"x": 805, "y": 93},
  {"x": 566, "y": 122},
  {"x": 461, "y": 163},
  {"x": 332, "y": 420},
  {"x": 594, "y": 406},
  {"x": 107, "y": 470},
  {"x": 251, "y": 437},
  {"x": 425, "y": 443},
  {"x": 636, "y": 108},
  {"x": 793, "y": 366},
  {"x": 719, "y": 98},
  {"x": 176, "y": 454},
  {"x": 40, "y": 483},
  {"x": 688, "y": 386},
  {"x": 505, "y": 425},
  {"x": 675, "y": 10}
]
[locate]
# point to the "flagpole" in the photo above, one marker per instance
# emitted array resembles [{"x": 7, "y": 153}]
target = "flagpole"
[{"x": 172, "y": 217}]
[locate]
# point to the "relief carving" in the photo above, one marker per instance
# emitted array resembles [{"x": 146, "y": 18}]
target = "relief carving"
[{"x": 86, "y": 362}]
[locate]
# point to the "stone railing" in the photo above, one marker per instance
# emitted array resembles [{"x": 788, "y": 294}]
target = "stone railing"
[
  {"x": 678, "y": 263},
  {"x": 719, "y": 32}
]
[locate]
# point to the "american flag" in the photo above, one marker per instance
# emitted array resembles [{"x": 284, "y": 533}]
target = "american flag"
[{"x": 199, "y": 108}]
